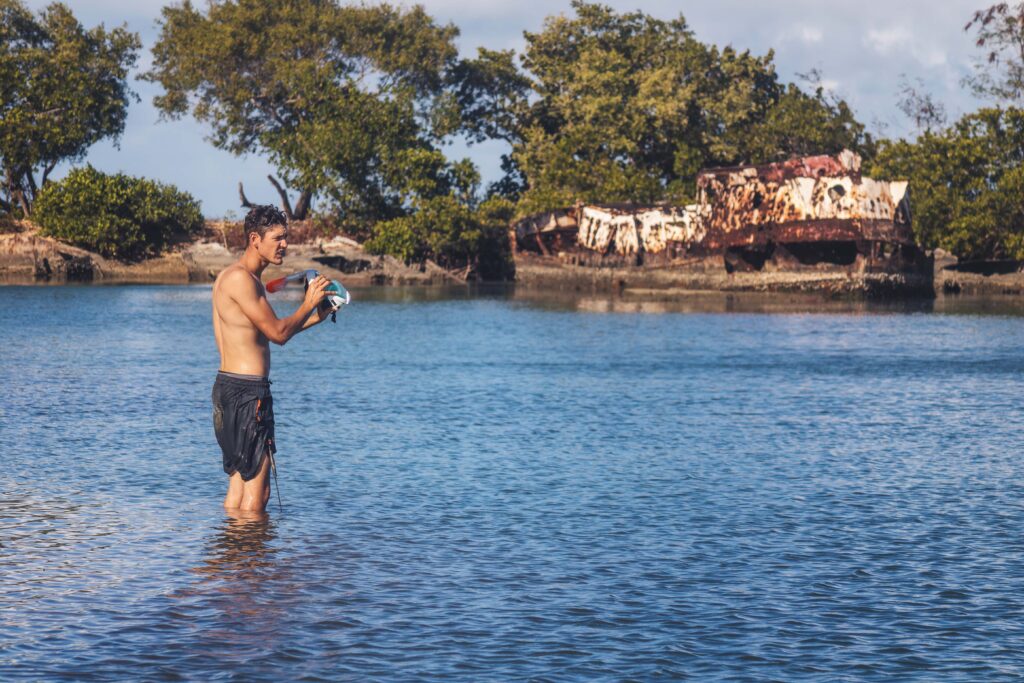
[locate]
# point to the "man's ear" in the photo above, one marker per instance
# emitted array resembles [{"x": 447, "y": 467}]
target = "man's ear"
[{"x": 252, "y": 239}]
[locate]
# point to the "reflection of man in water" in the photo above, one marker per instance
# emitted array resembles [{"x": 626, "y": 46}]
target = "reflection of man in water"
[
  {"x": 244, "y": 325},
  {"x": 239, "y": 563},
  {"x": 241, "y": 547}
]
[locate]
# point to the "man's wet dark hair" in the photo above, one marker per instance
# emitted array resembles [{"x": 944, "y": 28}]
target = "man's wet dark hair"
[{"x": 262, "y": 217}]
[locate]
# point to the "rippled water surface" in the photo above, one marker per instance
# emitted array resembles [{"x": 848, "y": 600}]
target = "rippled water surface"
[{"x": 498, "y": 488}]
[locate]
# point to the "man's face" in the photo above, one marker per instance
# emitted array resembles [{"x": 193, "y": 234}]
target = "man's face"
[{"x": 273, "y": 245}]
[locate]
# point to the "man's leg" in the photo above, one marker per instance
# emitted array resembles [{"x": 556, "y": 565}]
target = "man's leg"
[
  {"x": 236, "y": 487},
  {"x": 256, "y": 491}
]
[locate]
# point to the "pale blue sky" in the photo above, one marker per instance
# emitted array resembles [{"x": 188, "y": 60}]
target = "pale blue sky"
[{"x": 861, "y": 49}]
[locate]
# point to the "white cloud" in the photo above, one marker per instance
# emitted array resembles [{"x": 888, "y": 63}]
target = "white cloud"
[
  {"x": 803, "y": 34},
  {"x": 892, "y": 41},
  {"x": 885, "y": 40},
  {"x": 811, "y": 34}
]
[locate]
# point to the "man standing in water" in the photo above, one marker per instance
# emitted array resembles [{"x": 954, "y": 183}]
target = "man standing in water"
[{"x": 244, "y": 324}]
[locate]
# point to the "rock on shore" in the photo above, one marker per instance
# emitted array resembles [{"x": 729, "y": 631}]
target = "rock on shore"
[{"x": 27, "y": 257}]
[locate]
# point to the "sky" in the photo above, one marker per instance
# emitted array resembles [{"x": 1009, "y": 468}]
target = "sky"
[{"x": 863, "y": 50}]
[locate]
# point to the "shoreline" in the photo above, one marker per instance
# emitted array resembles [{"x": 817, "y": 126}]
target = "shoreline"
[{"x": 29, "y": 259}]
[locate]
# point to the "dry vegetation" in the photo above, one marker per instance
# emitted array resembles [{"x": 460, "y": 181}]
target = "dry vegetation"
[
  {"x": 232, "y": 235},
  {"x": 9, "y": 225}
]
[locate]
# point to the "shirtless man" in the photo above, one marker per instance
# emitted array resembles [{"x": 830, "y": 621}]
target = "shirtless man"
[{"x": 244, "y": 325}]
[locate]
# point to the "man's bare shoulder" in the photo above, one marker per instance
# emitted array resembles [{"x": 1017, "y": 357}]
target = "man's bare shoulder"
[{"x": 235, "y": 282}]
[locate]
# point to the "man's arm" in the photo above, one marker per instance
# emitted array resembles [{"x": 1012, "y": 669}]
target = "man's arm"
[
  {"x": 243, "y": 289},
  {"x": 319, "y": 315}
]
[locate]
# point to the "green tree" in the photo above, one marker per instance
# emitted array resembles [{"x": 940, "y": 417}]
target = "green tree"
[
  {"x": 116, "y": 215},
  {"x": 626, "y": 107},
  {"x": 803, "y": 124},
  {"x": 62, "y": 89},
  {"x": 966, "y": 183},
  {"x": 346, "y": 101}
]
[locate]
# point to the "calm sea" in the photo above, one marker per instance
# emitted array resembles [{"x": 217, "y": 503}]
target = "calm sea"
[{"x": 501, "y": 488}]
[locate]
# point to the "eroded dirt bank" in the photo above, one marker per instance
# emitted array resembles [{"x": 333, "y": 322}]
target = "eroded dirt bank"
[{"x": 27, "y": 257}]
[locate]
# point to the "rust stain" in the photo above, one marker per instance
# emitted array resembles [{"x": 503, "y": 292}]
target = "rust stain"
[
  {"x": 811, "y": 199},
  {"x": 817, "y": 199}
]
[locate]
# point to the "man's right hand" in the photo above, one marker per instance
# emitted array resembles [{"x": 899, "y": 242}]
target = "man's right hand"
[{"x": 316, "y": 291}]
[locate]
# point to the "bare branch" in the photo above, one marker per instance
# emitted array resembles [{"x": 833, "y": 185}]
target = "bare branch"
[
  {"x": 285, "y": 204},
  {"x": 46, "y": 173},
  {"x": 48, "y": 112},
  {"x": 999, "y": 31},
  {"x": 919, "y": 105},
  {"x": 246, "y": 204}
]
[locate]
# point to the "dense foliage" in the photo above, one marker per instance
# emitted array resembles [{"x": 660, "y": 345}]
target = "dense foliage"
[
  {"x": 62, "y": 88},
  {"x": 967, "y": 184},
  {"x": 626, "y": 107},
  {"x": 116, "y": 215},
  {"x": 452, "y": 233},
  {"x": 347, "y": 101}
]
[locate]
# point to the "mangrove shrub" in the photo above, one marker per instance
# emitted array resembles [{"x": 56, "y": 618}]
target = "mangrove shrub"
[
  {"x": 452, "y": 233},
  {"x": 117, "y": 215},
  {"x": 966, "y": 184}
]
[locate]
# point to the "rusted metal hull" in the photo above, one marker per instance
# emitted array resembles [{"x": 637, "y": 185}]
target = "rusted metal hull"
[{"x": 809, "y": 214}]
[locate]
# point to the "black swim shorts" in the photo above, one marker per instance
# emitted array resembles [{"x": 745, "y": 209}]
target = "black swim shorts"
[{"x": 243, "y": 420}]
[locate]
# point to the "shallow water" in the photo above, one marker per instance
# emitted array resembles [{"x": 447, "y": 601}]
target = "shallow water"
[{"x": 518, "y": 488}]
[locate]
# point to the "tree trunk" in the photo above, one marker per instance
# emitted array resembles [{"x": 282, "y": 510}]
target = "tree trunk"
[
  {"x": 303, "y": 205},
  {"x": 23, "y": 202},
  {"x": 46, "y": 173},
  {"x": 9, "y": 186},
  {"x": 31, "y": 184}
]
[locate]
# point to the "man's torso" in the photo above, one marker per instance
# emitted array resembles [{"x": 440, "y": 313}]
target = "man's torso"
[{"x": 243, "y": 348}]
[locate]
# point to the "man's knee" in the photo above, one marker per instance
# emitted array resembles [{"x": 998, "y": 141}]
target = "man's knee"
[{"x": 255, "y": 503}]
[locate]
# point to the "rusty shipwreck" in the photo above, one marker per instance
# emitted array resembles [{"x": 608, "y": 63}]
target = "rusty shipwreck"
[{"x": 807, "y": 224}]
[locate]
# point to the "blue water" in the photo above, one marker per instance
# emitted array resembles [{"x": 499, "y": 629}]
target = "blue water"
[{"x": 493, "y": 488}]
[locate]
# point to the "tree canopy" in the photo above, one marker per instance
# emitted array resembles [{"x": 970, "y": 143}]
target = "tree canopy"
[
  {"x": 625, "y": 107},
  {"x": 62, "y": 89},
  {"x": 967, "y": 183},
  {"x": 348, "y": 102}
]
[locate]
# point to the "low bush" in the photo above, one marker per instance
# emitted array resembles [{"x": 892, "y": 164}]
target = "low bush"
[
  {"x": 118, "y": 216},
  {"x": 451, "y": 233}
]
